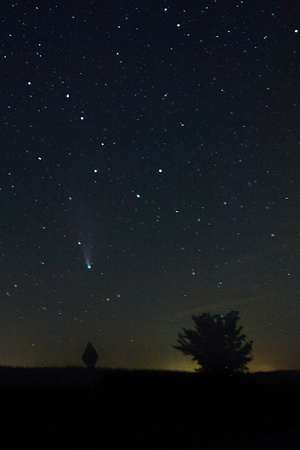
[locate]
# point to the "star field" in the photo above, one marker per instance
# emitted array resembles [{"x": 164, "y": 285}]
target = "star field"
[{"x": 149, "y": 171}]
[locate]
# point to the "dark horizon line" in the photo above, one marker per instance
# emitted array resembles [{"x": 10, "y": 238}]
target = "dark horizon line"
[{"x": 137, "y": 369}]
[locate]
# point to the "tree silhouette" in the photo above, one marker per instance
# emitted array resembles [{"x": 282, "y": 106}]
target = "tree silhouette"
[{"x": 217, "y": 344}]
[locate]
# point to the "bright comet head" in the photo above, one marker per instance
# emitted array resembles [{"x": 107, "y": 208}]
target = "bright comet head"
[{"x": 89, "y": 266}]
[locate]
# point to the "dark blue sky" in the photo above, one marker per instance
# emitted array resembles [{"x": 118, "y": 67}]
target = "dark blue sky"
[{"x": 156, "y": 143}]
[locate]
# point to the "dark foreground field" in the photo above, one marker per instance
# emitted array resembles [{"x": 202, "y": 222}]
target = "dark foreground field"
[{"x": 59, "y": 409}]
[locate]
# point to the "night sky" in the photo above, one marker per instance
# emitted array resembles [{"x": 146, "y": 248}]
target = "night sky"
[{"x": 149, "y": 172}]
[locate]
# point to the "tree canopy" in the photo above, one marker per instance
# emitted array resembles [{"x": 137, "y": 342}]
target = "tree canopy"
[{"x": 217, "y": 344}]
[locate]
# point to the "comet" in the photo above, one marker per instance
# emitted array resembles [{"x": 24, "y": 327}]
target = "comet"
[
  {"x": 88, "y": 263},
  {"x": 87, "y": 258}
]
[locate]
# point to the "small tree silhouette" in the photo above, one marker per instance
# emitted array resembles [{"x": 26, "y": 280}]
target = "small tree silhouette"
[{"x": 217, "y": 344}]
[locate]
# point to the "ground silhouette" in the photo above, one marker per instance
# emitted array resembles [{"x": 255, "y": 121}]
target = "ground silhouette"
[{"x": 55, "y": 408}]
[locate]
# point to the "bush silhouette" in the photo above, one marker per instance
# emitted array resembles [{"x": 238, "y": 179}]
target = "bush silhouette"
[{"x": 216, "y": 344}]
